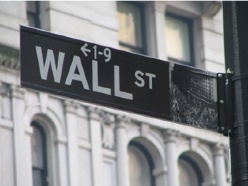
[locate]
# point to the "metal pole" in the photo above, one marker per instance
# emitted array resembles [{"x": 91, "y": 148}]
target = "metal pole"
[{"x": 236, "y": 56}]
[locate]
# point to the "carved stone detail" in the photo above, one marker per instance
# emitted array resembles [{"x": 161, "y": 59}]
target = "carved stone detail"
[
  {"x": 219, "y": 149},
  {"x": 170, "y": 135},
  {"x": 17, "y": 92},
  {"x": 107, "y": 122}
]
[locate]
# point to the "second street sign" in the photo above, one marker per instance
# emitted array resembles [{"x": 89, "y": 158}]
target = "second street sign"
[{"x": 105, "y": 76}]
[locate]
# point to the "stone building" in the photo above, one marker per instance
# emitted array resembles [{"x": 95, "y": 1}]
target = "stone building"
[{"x": 46, "y": 140}]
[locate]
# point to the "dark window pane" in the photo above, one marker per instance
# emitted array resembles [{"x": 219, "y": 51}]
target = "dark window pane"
[
  {"x": 33, "y": 13},
  {"x": 39, "y": 163},
  {"x": 37, "y": 178},
  {"x": 37, "y": 148}
]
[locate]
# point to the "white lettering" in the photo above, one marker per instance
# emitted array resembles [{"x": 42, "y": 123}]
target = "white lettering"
[
  {"x": 76, "y": 63},
  {"x": 96, "y": 87},
  {"x": 138, "y": 75},
  {"x": 50, "y": 61},
  {"x": 150, "y": 76},
  {"x": 118, "y": 93}
]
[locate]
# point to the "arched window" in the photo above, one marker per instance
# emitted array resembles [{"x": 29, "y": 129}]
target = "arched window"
[
  {"x": 189, "y": 172},
  {"x": 140, "y": 165},
  {"x": 39, "y": 155}
]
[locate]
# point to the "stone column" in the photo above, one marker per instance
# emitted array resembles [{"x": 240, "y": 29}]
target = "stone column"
[
  {"x": 71, "y": 123},
  {"x": 172, "y": 161},
  {"x": 96, "y": 145},
  {"x": 18, "y": 105},
  {"x": 62, "y": 170},
  {"x": 220, "y": 171},
  {"x": 121, "y": 150}
]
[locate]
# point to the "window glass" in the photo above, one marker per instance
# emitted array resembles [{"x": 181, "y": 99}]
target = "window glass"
[
  {"x": 190, "y": 173},
  {"x": 37, "y": 148},
  {"x": 139, "y": 170},
  {"x": 187, "y": 176},
  {"x": 130, "y": 26},
  {"x": 33, "y": 13},
  {"x": 37, "y": 178},
  {"x": 178, "y": 43},
  {"x": 38, "y": 144}
]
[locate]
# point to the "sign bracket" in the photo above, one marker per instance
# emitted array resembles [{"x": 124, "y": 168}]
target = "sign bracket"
[{"x": 225, "y": 103}]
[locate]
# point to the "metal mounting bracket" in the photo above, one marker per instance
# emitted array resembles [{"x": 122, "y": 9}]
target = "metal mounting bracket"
[{"x": 225, "y": 103}]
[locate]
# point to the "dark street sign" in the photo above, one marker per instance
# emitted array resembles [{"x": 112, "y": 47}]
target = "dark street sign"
[{"x": 105, "y": 76}]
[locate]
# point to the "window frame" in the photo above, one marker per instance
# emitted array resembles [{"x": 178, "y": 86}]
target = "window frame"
[
  {"x": 143, "y": 48},
  {"x": 35, "y": 14},
  {"x": 190, "y": 24}
]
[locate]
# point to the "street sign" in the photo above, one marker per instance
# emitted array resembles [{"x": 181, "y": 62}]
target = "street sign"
[{"x": 110, "y": 77}]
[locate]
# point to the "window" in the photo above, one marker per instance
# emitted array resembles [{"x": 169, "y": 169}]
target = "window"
[
  {"x": 189, "y": 172},
  {"x": 39, "y": 157},
  {"x": 131, "y": 26},
  {"x": 140, "y": 165},
  {"x": 179, "y": 42},
  {"x": 33, "y": 13}
]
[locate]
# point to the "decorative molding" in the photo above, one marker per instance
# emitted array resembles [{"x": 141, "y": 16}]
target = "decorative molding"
[
  {"x": 107, "y": 118},
  {"x": 160, "y": 171},
  {"x": 9, "y": 57},
  {"x": 16, "y": 92},
  {"x": 209, "y": 183},
  {"x": 29, "y": 130},
  {"x": 7, "y": 124},
  {"x": 211, "y": 8},
  {"x": 170, "y": 135},
  {"x": 4, "y": 89},
  {"x": 108, "y": 138},
  {"x": 159, "y": 6},
  {"x": 219, "y": 149},
  {"x": 121, "y": 121},
  {"x": 83, "y": 144},
  {"x": 109, "y": 154},
  {"x": 145, "y": 128},
  {"x": 70, "y": 106},
  {"x": 107, "y": 122},
  {"x": 61, "y": 140},
  {"x": 43, "y": 102},
  {"x": 94, "y": 113},
  {"x": 194, "y": 143}
]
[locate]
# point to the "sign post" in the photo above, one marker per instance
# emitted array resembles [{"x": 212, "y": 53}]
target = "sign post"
[
  {"x": 236, "y": 46},
  {"x": 105, "y": 76}
]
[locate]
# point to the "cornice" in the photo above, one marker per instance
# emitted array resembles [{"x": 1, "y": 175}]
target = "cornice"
[{"x": 9, "y": 57}]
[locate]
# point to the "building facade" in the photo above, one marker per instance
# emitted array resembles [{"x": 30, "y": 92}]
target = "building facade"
[{"x": 46, "y": 140}]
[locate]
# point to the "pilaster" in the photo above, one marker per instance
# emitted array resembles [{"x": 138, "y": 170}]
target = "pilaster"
[
  {"x": 96, "y": 145},
  {"x": 71, "y": 123},
  {"x": 18, "y": 107},
  {"x": 170, "y": 137},
  {"x": 220, "y": 170},
  {"x": 121, "y": 150}
]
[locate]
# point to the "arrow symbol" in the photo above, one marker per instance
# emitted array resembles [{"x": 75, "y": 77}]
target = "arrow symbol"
[{"x": 85, "y": 50}]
